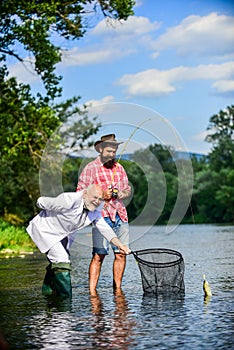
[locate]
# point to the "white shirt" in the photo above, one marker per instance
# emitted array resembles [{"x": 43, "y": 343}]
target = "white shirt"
[{"x": 60, "y": 218}]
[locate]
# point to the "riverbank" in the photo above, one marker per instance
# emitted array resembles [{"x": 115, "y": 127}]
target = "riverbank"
[
  {"x": 11, "y": 253},
  {"x": 14, "y": 240}
]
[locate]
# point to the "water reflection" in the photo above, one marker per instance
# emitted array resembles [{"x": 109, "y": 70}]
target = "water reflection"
[
  {"x": 207, "y": 299},
  {"x": 129, "y": 320},
  {"x": 51, "y": 329},
  {"x": 160, "y": 307},
  {"x": 112, "y": 331},
  {"x": 57, "y": 304},
  {"x": 164, "y": 321},
  {"x": 160, "y": 301}
]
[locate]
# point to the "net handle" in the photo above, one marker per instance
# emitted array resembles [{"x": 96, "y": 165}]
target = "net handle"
[{"x": 133, "y": 253}]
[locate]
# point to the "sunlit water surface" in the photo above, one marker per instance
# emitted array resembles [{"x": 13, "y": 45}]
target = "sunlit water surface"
[{"x": 129, "y": 320}]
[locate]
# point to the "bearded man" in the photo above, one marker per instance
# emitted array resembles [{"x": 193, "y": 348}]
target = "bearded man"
[{"x": 111, "y": 176}]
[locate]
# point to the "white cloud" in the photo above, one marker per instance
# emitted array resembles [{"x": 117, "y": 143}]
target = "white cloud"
[
  {"x": 224, "y": 86},
  {"x": 24, "y": 72},
  {"x": 148, "y": 83},
  {"x": 211, "y": 35},
  {"x": 76, "y": 57},
  {"x": 94, "y": 103},
  {"x": 116, "y": 40},
  {"x": 195, "y": 35},
  {"x": 154, "y": 82},
  {"x": 112, "y": 40},
  {"x": 133, "y": 26},
  {"x": 138, "y": 3}
]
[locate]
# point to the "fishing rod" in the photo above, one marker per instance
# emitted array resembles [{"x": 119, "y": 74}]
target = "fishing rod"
[
  {"x": 114, "y": 191},
  {"x": 131, "y": 135}
]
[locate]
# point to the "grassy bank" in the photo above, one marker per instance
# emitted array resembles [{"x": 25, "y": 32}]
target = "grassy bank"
[{"x": 14, "y": 239}]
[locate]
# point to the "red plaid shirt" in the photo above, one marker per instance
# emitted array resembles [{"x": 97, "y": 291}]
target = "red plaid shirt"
[{"x": 96, "y": 173}]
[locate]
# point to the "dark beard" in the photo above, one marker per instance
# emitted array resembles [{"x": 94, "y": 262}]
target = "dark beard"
[{"x": 109, "y": 164}]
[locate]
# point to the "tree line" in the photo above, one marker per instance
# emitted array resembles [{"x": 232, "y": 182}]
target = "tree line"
[{"x": 212, "y": 199}]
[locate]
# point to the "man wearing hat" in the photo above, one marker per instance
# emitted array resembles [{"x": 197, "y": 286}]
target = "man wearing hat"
[{"x": 111, "y": 176}]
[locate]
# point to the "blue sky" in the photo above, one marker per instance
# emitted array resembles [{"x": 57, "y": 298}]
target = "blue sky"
[{"x": 172, "y": 63}]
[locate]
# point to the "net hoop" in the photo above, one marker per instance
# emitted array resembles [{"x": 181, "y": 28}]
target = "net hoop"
[
  {"x": 158, "y": 251},
  {"x": 162, "y": 271}
]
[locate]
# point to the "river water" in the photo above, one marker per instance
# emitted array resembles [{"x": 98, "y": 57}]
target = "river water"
[{"x": 129, "y": 320}]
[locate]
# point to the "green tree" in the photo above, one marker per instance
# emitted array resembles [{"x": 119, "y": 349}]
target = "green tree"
[
  {"x": 166, "y": 157},
  {"x": 225, "y": 194},
  {"x": 221, "y": 127},
  {"x": 199, "y": 166},
  {"x": 139, "y": 186},
  {"x": 155, "y": 186},
  {"x": 204, "y": 203},
  {"x": 26, "y": 124},
  {"x": 213, "y": 192},
  {"x": 29, "y": 28}
]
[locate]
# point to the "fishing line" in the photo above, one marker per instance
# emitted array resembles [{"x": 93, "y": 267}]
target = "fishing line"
[
  {"x": 185, "y": 177},
  {"x": 131, "y": 135},
  {"x": 126, "y": 143}
]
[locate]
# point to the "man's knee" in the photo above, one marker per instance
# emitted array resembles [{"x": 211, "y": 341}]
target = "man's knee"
[
  {"x": 120, "y": 257},
  {"x": 98, "y": 258}
]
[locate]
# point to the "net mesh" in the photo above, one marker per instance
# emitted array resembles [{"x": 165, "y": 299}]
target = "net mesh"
[{"x": 162, "y": 271}]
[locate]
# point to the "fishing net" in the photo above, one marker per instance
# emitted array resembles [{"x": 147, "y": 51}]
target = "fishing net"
[{"x": 162, "y": 271}]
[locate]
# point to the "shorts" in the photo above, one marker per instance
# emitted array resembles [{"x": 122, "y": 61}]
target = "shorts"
[{"x": 121, "y": 229}]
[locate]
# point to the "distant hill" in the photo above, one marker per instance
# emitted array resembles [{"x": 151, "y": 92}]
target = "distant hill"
[
  {"x": 128, "y": 156},
  {"x": 184, "y": 155},
  {"x": 178, "y": 154}
]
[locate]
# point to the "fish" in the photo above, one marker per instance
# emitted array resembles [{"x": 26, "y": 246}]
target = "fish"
[{"x": 206, "y": 287}]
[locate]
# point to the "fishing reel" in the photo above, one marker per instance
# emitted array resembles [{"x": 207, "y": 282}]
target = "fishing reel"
[{"x": 114, "y": 193}]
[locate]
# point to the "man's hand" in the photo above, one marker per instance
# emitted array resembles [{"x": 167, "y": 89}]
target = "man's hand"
[
  {"x": 124, "y": 194},
  {"x": 124, "y": 249},
  {"x": 107, "y": 194}
]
